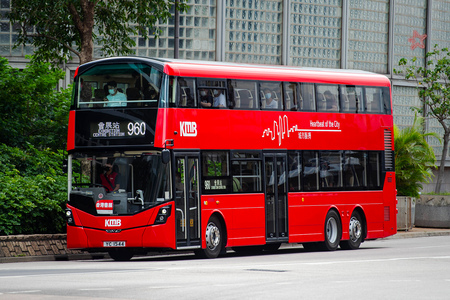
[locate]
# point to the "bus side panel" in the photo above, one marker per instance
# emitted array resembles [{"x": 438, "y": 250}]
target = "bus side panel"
[
  {"x": 244, "y": 217},
  {"x": 390, "y": 205},
  {"x": 224, "y": 129},
  {"x": 307, "y": 212}
]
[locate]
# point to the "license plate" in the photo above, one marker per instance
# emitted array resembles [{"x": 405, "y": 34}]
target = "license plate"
[{"x": 114, "y": 244}]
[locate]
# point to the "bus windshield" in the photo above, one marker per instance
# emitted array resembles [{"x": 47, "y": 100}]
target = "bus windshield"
[
  {"x": 119, "y": 183},
  {"x": 119, "y": 85}
]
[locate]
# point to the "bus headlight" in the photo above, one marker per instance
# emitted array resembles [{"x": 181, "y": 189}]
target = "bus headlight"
[
  {"x": 163, "y": 214},
  {"x": 69, "y": 217}
]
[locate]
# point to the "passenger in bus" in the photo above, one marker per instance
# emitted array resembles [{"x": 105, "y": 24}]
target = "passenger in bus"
[
  {"x": 206, "y": 100},
  {"x": 331, "y": 101},
  {"x": 270, "y": 103},
  {"x": 115, "y": 97},
  {"x": 219, "y": 98},
  {"x": 110, "y": 178}
]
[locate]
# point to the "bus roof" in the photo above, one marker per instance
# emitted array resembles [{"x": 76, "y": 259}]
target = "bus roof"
[{"x": 213, "y": 69}]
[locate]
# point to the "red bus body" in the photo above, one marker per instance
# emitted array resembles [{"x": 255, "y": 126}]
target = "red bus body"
[{"x": 243, "y": 215}]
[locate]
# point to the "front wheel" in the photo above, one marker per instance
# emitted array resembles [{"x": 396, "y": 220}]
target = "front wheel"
[
  {"x": 355, "y": 232},
  {"x": 214, "y": 239}
]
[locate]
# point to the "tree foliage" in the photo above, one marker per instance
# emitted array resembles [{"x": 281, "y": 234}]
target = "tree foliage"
[
  {"x": 434, "y": 91},
  {"x": 33, "y": 191},
  {"x": 62, "y": 28},
  {"x": 31, "y": 109},
  {"x": 414, "y": 158},
  {"x": 33, "y": 129}
]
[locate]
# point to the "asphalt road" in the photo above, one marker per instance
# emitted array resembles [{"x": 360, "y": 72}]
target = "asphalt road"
[{"x": 417, "y": 268}]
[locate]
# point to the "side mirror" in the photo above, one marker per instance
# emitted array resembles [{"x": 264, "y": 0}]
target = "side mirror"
[{"x": 165, "y": 156}]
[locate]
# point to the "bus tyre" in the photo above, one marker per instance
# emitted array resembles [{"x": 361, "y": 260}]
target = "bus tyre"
[
  {"x": 214, "y": 239},
  {"x": 355, "y": 231},
  {"x": 121, "y": 254},
  {"x": 333, "y": 231}
]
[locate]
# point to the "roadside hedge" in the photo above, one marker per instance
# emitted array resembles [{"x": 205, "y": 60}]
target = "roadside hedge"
[{"x": 33, "y": 191}]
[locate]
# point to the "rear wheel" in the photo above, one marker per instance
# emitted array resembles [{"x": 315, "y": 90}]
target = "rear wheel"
[
  {"x": 121, "y": 254},
  {"x": 333, "y": 231},
  {"x": 356, "y": 229},
  {"x": 214, "y": 239}
]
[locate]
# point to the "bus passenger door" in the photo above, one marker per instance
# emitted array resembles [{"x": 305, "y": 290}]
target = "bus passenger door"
[
  {"x": 187, "y": 214},
  {"x": 275, "y": 168}
]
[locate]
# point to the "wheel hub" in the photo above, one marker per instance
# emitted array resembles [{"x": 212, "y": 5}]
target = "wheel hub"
[
  {"x": 355, "y": 229},
  {"x": 212, "y": 236},
  {"x": 332, "y": 229}
]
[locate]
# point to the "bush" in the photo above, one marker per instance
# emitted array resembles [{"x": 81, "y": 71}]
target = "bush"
[
  {"x": 33, "y": 191},
  {"x": 414, "y": 158}
]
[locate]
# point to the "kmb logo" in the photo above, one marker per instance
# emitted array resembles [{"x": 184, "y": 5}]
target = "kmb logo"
[
  {"x": 113, "y": 223},
  {"x": 188, "y": 128}
]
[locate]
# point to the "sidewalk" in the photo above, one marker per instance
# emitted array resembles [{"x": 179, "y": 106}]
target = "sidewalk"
[{"x": 420, "y": 232}]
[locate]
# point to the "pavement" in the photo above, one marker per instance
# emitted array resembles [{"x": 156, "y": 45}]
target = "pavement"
[{"x": 415, "y": 232}]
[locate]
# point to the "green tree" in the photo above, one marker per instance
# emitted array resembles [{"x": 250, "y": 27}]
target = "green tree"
[
  {"x": 414, "y": 158},
  {"x": 62, "y": 28},
  {"x": 32, "y": 110},
  {"x": 434, "y": 92},
  {"x": 33, "y": 190}
]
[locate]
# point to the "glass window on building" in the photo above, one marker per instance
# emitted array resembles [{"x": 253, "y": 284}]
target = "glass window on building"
[
  {"x": 404, "y": 99},
  {"x": 197, "y": 34},
  {"x": 409, "y": 30},
  {"x": 440, "y": 23},
  {"x": 253, "y": 31},
  {"x": 368, "y": 35},
  {"x": 315, "y": 33}
]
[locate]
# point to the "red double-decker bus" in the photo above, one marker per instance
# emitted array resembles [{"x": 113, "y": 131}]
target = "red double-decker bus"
[{"x": 204, "y": 156}]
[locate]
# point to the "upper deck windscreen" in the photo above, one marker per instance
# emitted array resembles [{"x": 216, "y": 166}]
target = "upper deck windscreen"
[{"x": 118, "y": 85}]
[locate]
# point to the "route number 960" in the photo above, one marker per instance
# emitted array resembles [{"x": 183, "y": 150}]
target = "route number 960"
[{"x": 136, "y": 128}]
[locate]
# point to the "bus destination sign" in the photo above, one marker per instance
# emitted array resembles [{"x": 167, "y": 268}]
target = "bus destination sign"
[{"x": 118, "y": 129}]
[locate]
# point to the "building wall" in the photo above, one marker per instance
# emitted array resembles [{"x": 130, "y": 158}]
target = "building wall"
[{"x": 370, "y": 35}]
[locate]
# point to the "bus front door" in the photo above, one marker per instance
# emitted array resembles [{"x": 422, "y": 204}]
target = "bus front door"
[
  {"x": 275, "y": 168},
  {"x": 187, "y": 203}
]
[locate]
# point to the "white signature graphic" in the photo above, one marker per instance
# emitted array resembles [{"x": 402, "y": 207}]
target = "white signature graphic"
[{"x": 281, "y": 129}]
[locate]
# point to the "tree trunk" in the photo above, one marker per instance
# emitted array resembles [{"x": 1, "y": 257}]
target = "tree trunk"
[
  {"x": 440, "y": 177},
  {"x": 84, "y": 23}
]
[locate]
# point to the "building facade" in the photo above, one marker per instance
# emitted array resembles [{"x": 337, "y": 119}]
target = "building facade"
[{"x": 370, "y": 35}]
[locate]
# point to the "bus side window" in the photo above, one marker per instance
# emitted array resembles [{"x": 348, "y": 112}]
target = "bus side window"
[
  {"x": 270, "y": 95},
  {"x": 330, "y": 97},
  {"x": 290, "y": 96},
  {"x": 374, "y": 100},
  {"x": 307, "y": 100},
  {"x": 185, "y": 93},
  {"x": 244, "y": 92}
]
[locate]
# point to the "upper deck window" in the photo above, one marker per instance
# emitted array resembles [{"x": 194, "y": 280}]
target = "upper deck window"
[{"x": 118, "y": 85}]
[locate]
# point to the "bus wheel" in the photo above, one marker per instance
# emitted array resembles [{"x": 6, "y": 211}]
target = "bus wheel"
[
  {"x": 355, "y": 232},
  {"x": 333, "y": 231},
  {"x": 214, "y": 239},
  {"x": 121, "y": 254}
]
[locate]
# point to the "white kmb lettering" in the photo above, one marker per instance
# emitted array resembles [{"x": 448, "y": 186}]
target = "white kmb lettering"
[
  {"x": 113, "y": 222},
  {"x": 188, "y": 128}
]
